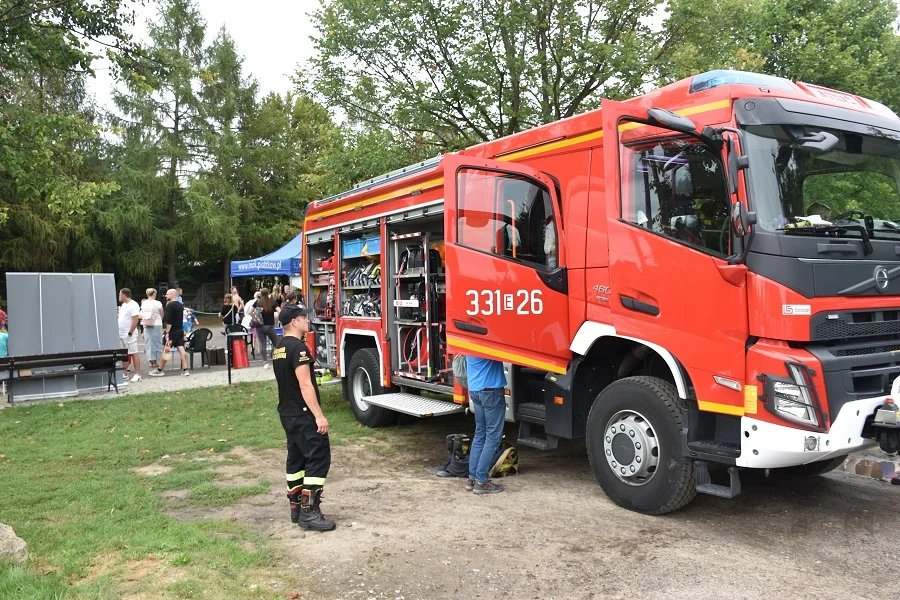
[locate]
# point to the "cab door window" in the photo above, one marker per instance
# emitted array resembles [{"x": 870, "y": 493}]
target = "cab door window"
[
  {"x": 507, "y": 215},
  {"x": 677, "y": 188}
]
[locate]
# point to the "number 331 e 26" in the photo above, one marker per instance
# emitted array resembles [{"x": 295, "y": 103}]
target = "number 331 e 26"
[{"x": 494, "y": 302}]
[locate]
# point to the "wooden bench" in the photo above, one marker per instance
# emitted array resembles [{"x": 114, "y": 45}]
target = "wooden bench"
[{"x": 42, "y": 366}]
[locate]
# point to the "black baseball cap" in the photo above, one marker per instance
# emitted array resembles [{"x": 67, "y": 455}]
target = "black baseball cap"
[{"x": 289, "y": 312}]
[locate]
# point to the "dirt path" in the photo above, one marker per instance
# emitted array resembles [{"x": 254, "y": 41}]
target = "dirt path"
[{"x": 403, "y": 533}]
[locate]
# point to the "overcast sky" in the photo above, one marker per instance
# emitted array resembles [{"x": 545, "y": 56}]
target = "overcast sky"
[{"x": 271, "y": 35}]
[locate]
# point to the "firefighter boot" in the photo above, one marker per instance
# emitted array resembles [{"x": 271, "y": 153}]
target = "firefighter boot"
[
  {"x": 294, "y": 499},
  {"x": 310, "y": 515}
]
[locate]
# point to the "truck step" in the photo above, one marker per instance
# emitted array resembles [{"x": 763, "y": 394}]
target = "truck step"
[
  {"x": 706, "y": 486},
  {"x": 532, "y": 412},
  {"x": 418, "y": 406},
  {"x": 528, "y": 438},
  {"x": 712, "y": 448}
]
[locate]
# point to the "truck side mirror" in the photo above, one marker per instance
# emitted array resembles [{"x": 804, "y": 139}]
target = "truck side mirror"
[
  {"x": 735, "y": 163},
  {"x": 741, "y": 219},
  {"x": 672, "y": 120}
]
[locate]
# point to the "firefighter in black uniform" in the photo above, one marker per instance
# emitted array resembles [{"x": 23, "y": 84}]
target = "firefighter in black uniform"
[{"x": 308, "y": 449}]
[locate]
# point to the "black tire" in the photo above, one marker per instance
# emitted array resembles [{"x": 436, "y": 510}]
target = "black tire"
[
  {"x": 812, "y": 469},
  {"x": 654, "y": 402},
  {"x": 363, "y": 374}
]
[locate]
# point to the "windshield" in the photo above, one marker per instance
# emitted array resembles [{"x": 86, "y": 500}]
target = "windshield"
[{"x": 797, "y": 189}]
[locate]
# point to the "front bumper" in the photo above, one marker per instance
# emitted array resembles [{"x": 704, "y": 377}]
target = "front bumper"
[{"x": 768, "y": 446}]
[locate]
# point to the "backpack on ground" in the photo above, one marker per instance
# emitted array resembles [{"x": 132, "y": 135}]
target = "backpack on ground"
[{"x": 506, "y": 461}]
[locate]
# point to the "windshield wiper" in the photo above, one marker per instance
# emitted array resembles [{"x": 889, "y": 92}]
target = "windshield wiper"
[{"x": 867, "y": 245}]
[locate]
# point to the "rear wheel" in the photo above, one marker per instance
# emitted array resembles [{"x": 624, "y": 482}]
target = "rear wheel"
[
  {"x": 364, "y": 379},
  {"x": 634, "y": 446}
]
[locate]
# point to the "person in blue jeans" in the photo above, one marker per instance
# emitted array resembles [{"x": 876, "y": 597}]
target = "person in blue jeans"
[{"x": 486, "y": 382}]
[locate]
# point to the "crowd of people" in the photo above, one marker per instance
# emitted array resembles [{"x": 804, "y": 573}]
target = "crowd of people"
[{"x": 164, "y": 327}]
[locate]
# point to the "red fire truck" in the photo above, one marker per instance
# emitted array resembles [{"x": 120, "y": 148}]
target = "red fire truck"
[{"x": 697, "y": 281}]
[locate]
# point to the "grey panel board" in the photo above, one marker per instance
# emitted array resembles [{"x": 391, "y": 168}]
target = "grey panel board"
[
  {"x": 60, "y": 387},
  {"x": 58, "y": 311},
  {"x": 23, "y": 294},
  {"x": 37, "y": 389},
  {"x": 84, "y": 312},
  {"x": 106, "y": 317},
  {"x": 95, "y": 382}
]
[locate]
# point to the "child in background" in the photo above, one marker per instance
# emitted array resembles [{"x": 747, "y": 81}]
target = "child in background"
[{"x": 190, "y": 320}]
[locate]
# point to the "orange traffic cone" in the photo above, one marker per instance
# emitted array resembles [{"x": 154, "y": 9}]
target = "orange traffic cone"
[{"x": 239, "y": 353}]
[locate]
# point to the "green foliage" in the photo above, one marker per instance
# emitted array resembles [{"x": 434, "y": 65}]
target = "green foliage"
[
  {"x": 462, "y": 71},
  {"x": 47, "y": 133},
  {"x": 850, "y": 45}
]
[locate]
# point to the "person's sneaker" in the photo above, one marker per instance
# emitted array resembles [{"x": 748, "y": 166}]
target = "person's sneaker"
[
  {"x": 265, "y": 365},
  {"x": 487, "y": 488},
  {"x": 156, "y": 373},
  {"x": 137, "y": 377},
  {"x": 470, "y": 484},
  {"x": 185, "y": 372}
]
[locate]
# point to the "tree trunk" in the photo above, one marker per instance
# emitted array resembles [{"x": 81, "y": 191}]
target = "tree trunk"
[
  {"x": 173, "y": 195},
  {"x": 226, "y": 275}
]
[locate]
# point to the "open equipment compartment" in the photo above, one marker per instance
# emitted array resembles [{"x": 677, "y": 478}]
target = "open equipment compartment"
[
  {"x": 360, "y": 273},
  {"x": 417, "y": 292},
  {"x": 321, "y": 295}
]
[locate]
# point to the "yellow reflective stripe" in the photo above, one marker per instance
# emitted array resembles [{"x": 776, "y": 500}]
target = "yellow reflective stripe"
[
  {"x": 686, "y": 112},
  {"x": 459, "y": 398},
  {"x": 387, "y": 196},
  {"x": 295, "y": 476},
  {"x": 726, "y": 103},
  {"x": 540, "y": 149},
  {"x": 516, "y": 358},
  {"x": 314, "y": 481},
  {"x": 725, "y": 409}
]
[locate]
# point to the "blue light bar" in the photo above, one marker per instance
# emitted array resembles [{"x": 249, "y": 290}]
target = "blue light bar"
[{"x": 714, "y": 79}]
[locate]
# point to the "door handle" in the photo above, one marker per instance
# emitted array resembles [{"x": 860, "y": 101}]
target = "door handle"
[
  {"x": 827, "y": 248},
  {"x": 636, "y": 305},
  {"x": 463, "y": 326}
]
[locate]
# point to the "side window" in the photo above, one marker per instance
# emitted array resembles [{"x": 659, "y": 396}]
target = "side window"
[
  {"x": 508, "y": 215},
  {"x": 677, "y": 187}
]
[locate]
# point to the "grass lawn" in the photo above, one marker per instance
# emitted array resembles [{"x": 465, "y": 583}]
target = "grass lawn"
[{"x": 70, "y": 489}]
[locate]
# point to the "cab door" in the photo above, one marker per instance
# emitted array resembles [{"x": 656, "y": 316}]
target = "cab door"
[
  {"x": 669, "y": 241},
  {"x": 506, "y": 264}
]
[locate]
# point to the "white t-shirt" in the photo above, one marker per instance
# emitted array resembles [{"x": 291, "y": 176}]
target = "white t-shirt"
[
  {"x": 127, "y": 312},
  {"x": 248, "y": 308},
  {"x": 151, "y": 313}
]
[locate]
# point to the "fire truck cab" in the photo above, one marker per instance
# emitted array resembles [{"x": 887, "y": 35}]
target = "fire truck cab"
[{"x": 699, "y": 280}]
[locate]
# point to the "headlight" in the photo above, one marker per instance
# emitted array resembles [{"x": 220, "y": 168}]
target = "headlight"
[
  {"x": 789, "y": 400},
  {"x": 794, "y": 399}
]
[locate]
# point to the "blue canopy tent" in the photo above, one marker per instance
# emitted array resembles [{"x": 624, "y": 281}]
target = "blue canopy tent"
[{"x": 284, "y": 261}]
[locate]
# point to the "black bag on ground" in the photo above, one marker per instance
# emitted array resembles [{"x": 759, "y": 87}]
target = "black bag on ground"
[{"x": 457, "y": 464}]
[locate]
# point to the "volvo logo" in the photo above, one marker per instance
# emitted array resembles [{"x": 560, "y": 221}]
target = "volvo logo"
[{"x": 881, "y": 279}]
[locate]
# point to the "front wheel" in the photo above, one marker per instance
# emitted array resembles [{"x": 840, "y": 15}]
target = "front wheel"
[
  {"x": 364, "y": 379},
  {"x": 634, "y": 446}
]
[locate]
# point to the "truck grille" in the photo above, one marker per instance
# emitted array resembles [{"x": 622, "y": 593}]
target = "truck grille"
[
  {"x": 869, "y": 350},
  {"x": 854, "y": 324}
]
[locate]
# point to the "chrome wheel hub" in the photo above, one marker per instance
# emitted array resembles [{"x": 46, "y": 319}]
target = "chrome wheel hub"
[
  {"x": 631, "y": 447},
  {"x": 362, "y": 387}
]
